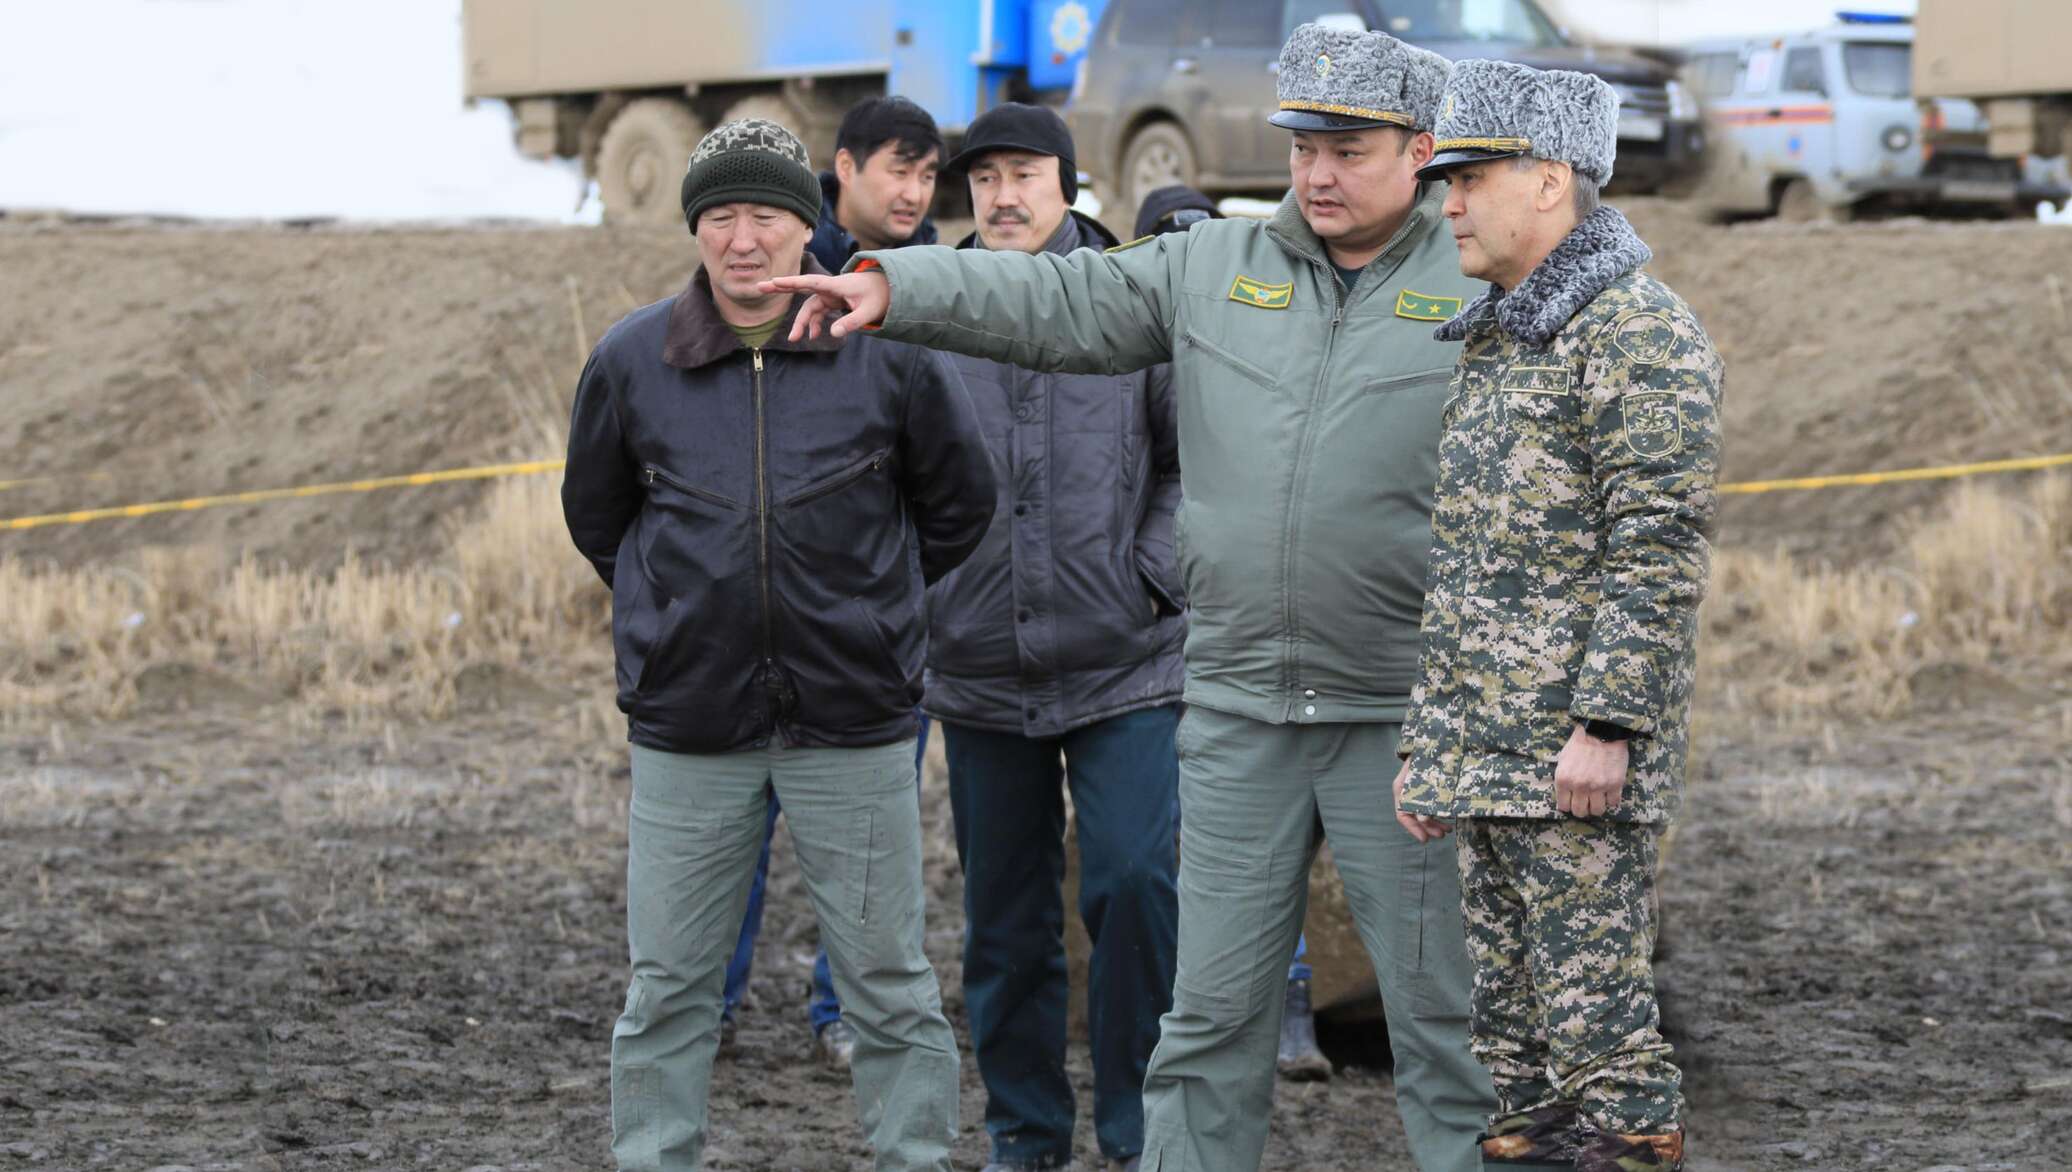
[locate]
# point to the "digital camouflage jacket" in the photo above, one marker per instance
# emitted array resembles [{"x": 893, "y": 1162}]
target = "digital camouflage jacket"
[{"x": 1570, "y": 543}]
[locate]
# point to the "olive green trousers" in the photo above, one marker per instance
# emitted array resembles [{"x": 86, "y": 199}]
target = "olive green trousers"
[
  {"x": 694, "y": 829},
  {"x": 1254, "y": 799}
]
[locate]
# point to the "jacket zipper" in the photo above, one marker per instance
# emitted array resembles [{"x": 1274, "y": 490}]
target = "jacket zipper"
[
  {"x": 1289, "y": 615},
  {"x": 656, "y": 475},
  {"x": 771, "y": 684},
  {"x": 840, "y": 480}
]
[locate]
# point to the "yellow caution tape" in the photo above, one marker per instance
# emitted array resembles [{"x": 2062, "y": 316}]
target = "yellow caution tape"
[
  {"x": 485, "y": 472},
  {"x": 1945, "y": 472},
  {"x": 533, "y": 467}
]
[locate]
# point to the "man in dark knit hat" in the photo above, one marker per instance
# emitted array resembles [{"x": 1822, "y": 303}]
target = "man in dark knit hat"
[
  {"x": 755, "y": 504},
  {"x": 1578, "y": 479},
  {"x": 877, "y": 196}
]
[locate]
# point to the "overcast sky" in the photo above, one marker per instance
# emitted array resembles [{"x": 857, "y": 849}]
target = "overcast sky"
[{"x": 276, "y": 108}]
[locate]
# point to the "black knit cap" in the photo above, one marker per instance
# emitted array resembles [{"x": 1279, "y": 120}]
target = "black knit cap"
[
  {"x": 1159, "y": 206},
  {"x": 752, "y": 160},
  {"x": 1017, "y": 126}
]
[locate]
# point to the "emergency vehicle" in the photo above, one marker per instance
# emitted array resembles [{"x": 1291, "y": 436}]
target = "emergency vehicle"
[{"x": 1824, "y": 124}]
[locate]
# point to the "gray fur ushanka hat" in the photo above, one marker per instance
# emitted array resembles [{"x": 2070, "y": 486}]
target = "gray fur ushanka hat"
[
  {"x": 1500, "y": 109},
  {"x": 1336, "y": 79}
]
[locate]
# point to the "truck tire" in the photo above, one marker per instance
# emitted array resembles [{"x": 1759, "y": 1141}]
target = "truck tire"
[
  {"x": 769, "y": 108},
  {"x": 640, "y": 161},
  {"x": 1158, "y": 155}
]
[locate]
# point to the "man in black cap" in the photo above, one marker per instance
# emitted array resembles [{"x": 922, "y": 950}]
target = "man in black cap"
[{"x": 1054, "y": 663}]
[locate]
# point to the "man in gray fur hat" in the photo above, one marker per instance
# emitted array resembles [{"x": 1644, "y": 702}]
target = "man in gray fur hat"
[
  {"x": 1309, "y": 393},
  {"x": 1577, "y": 487}
]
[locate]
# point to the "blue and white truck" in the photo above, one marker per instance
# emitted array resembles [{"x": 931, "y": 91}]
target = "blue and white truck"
[{"x": 629, "y": 86}]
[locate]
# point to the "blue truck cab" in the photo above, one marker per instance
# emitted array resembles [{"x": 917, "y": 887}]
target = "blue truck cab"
[{"x": 628, "y": 86}]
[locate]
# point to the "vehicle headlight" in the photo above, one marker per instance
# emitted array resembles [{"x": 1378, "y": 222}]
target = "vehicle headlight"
[
  {"x": 1897, "y": 138},
  {"x": 1683, "y": 104}
]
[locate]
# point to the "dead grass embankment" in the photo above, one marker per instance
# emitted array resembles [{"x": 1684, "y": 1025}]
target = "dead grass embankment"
[
  {"x": 1979, "y": 595},
  {"x": 1976, "y": 600},
  {"x": 509, "y": 612}
]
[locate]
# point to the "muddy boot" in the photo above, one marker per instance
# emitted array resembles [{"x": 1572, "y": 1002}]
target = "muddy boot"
[
  {"x": 1299, "y": 1059},
  {"x": 1631, "y": 1153},
  {"x": 1541, "y": 1139},
  {"x": 837, "y": 1044}
]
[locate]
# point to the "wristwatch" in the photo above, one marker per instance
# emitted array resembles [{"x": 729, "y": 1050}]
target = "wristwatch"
[{"x": 1605, "y": 730}]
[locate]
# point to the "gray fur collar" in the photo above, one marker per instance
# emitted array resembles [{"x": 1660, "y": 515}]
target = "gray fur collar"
[{"x": 1603, "y": 248}]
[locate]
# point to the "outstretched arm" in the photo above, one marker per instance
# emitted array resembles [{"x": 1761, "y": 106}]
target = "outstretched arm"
[{"x": 1088, "y": 312}]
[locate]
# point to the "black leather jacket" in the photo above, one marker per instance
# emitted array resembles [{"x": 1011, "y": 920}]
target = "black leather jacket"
[{"x": 757, "y": 515}]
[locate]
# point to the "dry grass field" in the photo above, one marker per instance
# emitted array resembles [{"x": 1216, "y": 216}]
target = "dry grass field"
[{"x": 312, "y": 814}]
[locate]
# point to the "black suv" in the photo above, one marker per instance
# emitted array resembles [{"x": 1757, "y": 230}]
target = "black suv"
[{"x": 1177, "y": 91}]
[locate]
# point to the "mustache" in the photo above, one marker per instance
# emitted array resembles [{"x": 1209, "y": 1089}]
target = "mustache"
[{"x": 1008, "y": 216}]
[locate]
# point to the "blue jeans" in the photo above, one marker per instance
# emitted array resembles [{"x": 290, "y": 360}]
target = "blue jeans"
[
  {"x": 1007, "y": 793},
  {"x": 825, "y": 1009}
]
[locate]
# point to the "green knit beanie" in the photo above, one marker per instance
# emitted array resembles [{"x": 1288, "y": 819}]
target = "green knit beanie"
[{"x": 752, "y": 160}]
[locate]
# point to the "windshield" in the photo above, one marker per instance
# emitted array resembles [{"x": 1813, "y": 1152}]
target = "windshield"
[
  {"x": 1879, "y": 69},
  {"x": 1512, "y": 21}
]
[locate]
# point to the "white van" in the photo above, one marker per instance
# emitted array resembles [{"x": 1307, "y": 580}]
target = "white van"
[{"x": 1824, "y": 124}]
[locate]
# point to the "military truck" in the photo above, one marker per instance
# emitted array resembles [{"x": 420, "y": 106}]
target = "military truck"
[
  {"x": 2012, "y": 57},
  {"x": 629, "y": 86}
]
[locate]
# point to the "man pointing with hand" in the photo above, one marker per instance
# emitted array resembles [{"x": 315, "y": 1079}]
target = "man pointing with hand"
[{"x": 1309, "y": 392}]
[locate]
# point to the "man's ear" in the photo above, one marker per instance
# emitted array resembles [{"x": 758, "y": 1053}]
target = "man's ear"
[
  {"x": 845, "y": 166},
  {"x": 1556, "y": 180},
  {"x": 1422, "y": 148}
]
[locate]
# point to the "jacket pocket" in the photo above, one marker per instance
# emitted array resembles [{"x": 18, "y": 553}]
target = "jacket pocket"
[
  {"x": 1417, "y": 378},
  {"x": 1219, "y": 354},
  {"x": 828, "y": 486},
  {"x": 654, "y": 476}
]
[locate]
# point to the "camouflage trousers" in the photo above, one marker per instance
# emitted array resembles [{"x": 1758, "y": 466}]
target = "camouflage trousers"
[{"x": 1563, "y": 1012}]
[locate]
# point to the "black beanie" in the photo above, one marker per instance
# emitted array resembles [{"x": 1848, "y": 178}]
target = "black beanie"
[
  {"x": 752, "y": 160},
  {"x": 1165, "y": 201},
  {"x": 1016, "y": 126}
]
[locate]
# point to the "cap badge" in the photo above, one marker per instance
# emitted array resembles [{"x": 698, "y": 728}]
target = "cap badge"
[{"x": 1323, "y": 65}]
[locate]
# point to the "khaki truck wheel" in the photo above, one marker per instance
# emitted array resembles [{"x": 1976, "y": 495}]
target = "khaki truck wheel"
[
  {"x": 769, "y": 108},
  {"x": 641, "y": 158},
  {"x": 1159, "y": 155}
]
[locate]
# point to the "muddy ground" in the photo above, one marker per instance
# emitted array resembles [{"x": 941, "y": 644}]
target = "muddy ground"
[
  {"x": 235, "y": 939},
  {"x": 227, "y": 947}
]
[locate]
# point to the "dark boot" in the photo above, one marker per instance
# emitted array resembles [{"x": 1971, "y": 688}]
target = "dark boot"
[
  {"x": 1543, "y": 1138},
  {"x": 1299, "y": 1059},
  {"x": 1610, "y": 1152}
]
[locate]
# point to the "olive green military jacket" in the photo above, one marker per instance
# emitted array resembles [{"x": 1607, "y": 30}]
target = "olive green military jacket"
[
  {"x": 1570, "y": 547},
  {"x": 1308, "y": 430}
]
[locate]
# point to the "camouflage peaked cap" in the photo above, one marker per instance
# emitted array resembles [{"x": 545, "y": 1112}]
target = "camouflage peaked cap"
[
  {"x": 1336, "y": 79},
  {"x": 752, "y": 160},
  {"x": 1500, "y": 109}
]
